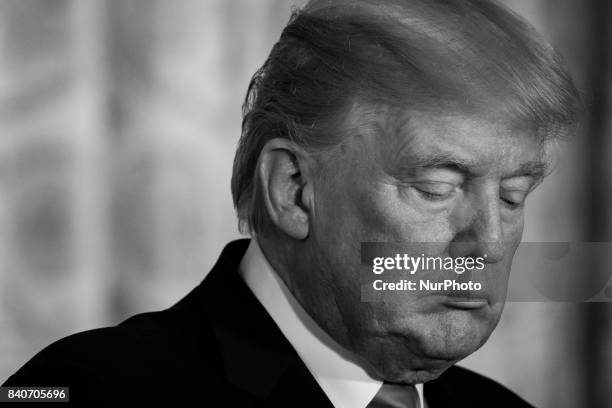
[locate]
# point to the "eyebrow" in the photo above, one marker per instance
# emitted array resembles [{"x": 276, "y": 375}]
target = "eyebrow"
[
  {"x": 440, "y": 160},
  {"x": 536, "y": 169}
]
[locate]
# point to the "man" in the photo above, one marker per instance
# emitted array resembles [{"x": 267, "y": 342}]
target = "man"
[{"x": 388, "y": 121}]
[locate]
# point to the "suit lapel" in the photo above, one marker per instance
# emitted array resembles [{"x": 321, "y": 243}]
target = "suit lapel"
[
  {"x": 297, "y": 388},
  {"x": 256, "y": 355},
  {"x": 440, "y": 393}
]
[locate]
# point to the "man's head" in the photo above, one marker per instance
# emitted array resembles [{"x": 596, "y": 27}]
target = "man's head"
[{"x": 422, "y": 121}]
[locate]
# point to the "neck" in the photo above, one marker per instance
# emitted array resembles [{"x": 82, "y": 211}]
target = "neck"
[{"x": 306, "y": 281}]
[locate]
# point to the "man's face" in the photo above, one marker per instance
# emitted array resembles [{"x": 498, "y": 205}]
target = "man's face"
[{"x": 459, "y": 181}]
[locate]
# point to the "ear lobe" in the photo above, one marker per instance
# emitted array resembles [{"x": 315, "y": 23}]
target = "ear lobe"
[{"x": 283, "y": 182}]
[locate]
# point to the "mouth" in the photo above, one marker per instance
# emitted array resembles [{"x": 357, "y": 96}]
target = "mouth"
[{"x": 465, "y": 303}]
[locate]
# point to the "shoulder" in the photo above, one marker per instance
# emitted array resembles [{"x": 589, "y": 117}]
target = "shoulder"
[
  {"x": 163, "y": 347},
  {"x": 159, "y": 352},
  {"x": 472, "y": 389}
]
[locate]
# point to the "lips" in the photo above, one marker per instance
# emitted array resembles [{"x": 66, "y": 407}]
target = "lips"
[{"x": 465, "y": 303}]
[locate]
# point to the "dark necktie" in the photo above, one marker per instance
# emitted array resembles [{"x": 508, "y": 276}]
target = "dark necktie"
[{"x": 396, "y": 396}]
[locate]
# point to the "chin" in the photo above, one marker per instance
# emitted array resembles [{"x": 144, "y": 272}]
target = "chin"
[
  {"x": 423, "y": 354},
  {"x": 415, "y": 377},
  {"x": 453, "y": 353},
  {"x": 453, "y": 346},
  {"x": 392, "y": 368}
]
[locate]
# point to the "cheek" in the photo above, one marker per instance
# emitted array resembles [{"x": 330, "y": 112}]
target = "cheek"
[
  {"x": 512, "y": 234},
  {"x": 514, "y": 227},
  {"x": 388, "y": 215}
]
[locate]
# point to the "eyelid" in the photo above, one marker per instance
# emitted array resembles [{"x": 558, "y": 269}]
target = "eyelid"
[
  {"x": 432, "y": 184},
  {"x": 514, "y": 201},
  {"x": 523, "y": 183},
  {"x": 434, "y": 190},
  {"x": 440, "y": 174}
]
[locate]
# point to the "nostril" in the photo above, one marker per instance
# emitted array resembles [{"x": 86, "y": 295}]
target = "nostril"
[{"x": 462, "y": 248}]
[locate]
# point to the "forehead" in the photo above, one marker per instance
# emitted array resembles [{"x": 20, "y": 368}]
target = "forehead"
[{"x": 475, "y": 142}]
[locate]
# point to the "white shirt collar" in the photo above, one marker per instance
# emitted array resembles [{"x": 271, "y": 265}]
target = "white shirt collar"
[{"x": 346, "y": 384}]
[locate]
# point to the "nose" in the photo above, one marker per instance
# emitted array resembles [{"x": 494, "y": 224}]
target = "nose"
[{"x": 479, "y": 229}]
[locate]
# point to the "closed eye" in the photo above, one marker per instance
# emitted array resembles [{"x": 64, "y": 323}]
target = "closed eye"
[
  {"x": 514, "y": 199},
  {"x": 435, "y": 191}
]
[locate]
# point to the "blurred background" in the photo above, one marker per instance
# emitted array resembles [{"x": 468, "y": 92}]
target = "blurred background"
[{"x": 118, "y": 124}]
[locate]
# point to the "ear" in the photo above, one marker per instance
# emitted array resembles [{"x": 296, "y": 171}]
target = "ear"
[{"x": 284, "y": 171}]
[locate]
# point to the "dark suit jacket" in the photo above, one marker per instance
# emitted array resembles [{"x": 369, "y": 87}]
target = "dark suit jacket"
[{"x": 217, "y": 347}]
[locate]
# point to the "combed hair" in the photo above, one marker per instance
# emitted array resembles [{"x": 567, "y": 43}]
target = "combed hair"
[{"x": 448, "y": 55}]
